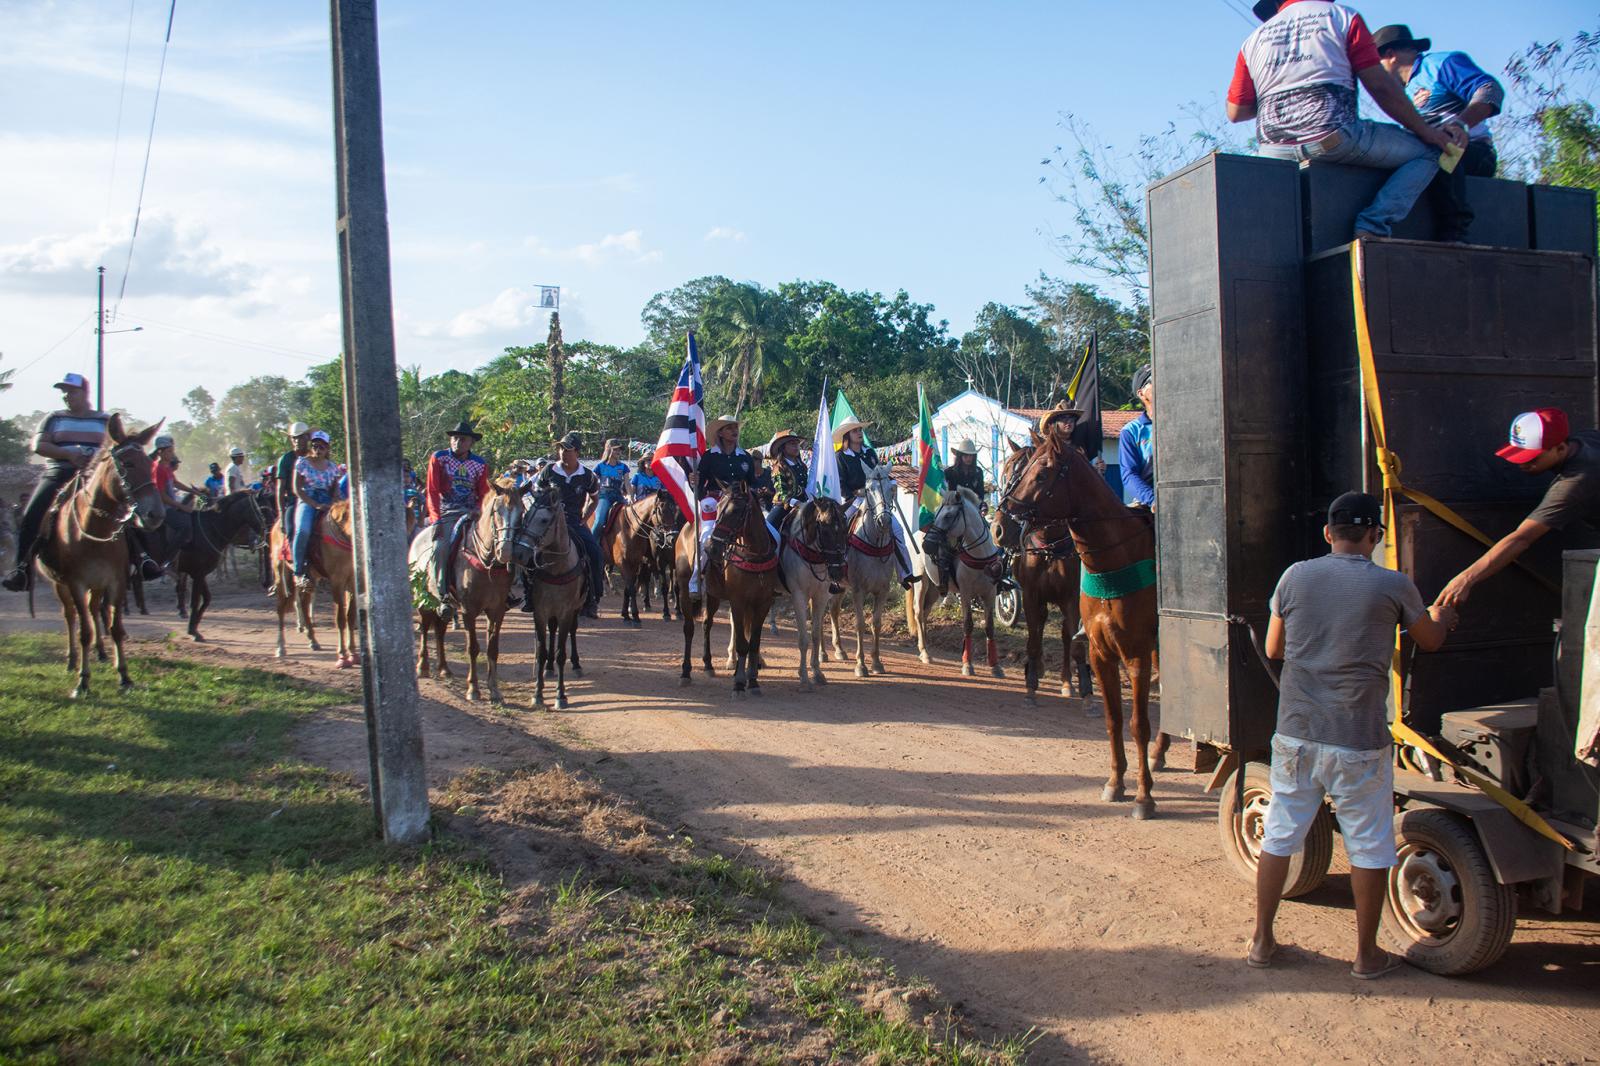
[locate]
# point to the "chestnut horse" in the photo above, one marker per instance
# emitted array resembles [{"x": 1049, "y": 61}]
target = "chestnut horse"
[
  {"x": 1046, "y": 571},
  {"x": 332, "y": 560},
  {"x": 629, "y": 544},
  {"x": 481, "y": 585},
  {"x": 1116, "y": 547},
  {"x": 741, "y": 567},
  {"x": 85, "y": 557}
]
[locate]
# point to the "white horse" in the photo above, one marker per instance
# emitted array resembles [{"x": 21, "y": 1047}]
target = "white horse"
[
  {"x": 959, "y": 523},
  {"x": 813, "y": 562},
  {"x": 870, "y": 552}
]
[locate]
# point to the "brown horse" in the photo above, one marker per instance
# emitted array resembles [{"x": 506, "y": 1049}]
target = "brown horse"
[
  {"x": 1117, "y": 546},
  {"x": 741, "y": 567},
  {"x": 558, "y": 593},
  {"x": 628, "y": 543},
  {"x": 1046, "y": 572},
  {"x": 85, "y": 558},
  {"x": 481, "y": 582},
  {"x": 331, "y": 561}
]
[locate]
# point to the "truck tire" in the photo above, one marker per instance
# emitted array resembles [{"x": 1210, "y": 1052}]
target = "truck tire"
[
  {"x": 1241, "y": 836},
  {"x": 1444, "y": 911}
]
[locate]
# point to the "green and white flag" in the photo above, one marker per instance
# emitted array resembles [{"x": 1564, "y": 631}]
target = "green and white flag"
[
  {"x": 842, "y": 410},
  {"x": 824, "y": 477}
]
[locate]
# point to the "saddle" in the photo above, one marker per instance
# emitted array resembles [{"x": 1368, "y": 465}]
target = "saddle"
[
  {"x": 450, "y": 534},
  {"x": 612, "y": 518}
]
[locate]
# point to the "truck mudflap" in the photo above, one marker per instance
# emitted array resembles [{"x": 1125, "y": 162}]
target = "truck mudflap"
[{"x": 1516, "y": 852}]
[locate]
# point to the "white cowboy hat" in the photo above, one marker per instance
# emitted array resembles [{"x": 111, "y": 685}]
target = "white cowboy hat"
[
  {"x": 965, "y": 446},
  {"x": 299, "y": 429},
  {"x": 845, "y": 427},
  {"x": 716, "y": 426}
]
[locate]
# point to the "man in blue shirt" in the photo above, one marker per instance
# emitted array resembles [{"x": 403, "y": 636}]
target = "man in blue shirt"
[
  {"x": 1446, "y": 87},
  {"x": 1136, "y": 445}
]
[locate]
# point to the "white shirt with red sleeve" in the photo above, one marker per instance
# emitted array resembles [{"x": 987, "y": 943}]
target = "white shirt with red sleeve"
[{"x": 1299, "y": 69}]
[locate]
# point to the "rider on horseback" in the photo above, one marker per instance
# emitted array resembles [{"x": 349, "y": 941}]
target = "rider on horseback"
[
  {"x": 723, "y": 465},
  {"x": 855, "y": 459},
  {"x": 575, "y": 483},
  {"x": 789, "y": 472},
  {"x": 610, "y": 471},
  {"x": 458, "y": 480},
  {"x": 67, "y": 440},
  {"x": 314, "y": 479},
  {"x": 965, "y": 473}
]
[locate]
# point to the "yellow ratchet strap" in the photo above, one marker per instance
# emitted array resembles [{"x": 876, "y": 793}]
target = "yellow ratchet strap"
[{"x": 1389, "y": 464}]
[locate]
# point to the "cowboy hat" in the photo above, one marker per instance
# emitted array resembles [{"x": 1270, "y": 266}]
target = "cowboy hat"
[
  {"x": 1399, "y": 36},
  {"x": 717, "y": 425},
  {"x": 779, "y": 439},
  {"x": 465, "y": 429},
  {"x": 846, "y": 426},
  {"x": 299, "y": 429},
  {"x": 239, "y": 452},
  {"x": 965, "y": 446}
]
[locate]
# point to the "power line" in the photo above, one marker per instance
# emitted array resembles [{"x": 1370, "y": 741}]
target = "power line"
[
  {"x": 223, "y": 338},
  {"x": 122, "y": 92},
  {"x": 149, "y": 140},
  {"x": 1238, "y": 8},
  {"x": 40, "y": 357}
]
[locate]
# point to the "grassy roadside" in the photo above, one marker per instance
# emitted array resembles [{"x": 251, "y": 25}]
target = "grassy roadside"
[{"x": 176, "y": 887}]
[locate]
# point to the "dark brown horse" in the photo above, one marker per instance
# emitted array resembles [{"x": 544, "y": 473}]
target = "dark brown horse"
[
  {"x": 1046, "y": 572},
  {"x": 85, "y": 555},
  {"x": 1117, "y": 548},
  {"x": 741, "y": 566},
  {"x": 558, "y": 594},
  {"x": 235, "y": 519},
  {"x": 629, "y": 544}
]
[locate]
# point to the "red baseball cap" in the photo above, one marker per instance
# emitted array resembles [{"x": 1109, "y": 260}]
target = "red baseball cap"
[{"x": 1534, "y": 432}]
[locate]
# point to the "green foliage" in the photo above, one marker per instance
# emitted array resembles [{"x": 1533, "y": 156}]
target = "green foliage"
[
  {"x": 14, "y": 440},
  {"x": 1557, "y": 83},
  {"x": 323, "y": 404}
]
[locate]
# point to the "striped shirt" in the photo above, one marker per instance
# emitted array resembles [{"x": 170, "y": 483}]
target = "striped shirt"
[
  {"x": 83, "y": 433},
  {"x": 1339, "y": 615}
]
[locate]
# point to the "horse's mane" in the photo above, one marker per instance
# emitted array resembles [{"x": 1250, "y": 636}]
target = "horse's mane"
[{"x": 339, "y": 514}]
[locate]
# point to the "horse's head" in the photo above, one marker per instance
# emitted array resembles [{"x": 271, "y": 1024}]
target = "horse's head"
[
  {"x": 1006, "y": 528},
  {"x": 500, "y": 523},
  {"x": 822, "y": 523},
  {"x": 735, "y": 510},
  {"x": 542, "y": 517},
  {"x": 242, "y": 514},
  {"x": 666, "y": 514},
  {"x": 959, "y": 519},
  {"x": 129, "y": 477},
  {"x": 1040, "y": 489}
]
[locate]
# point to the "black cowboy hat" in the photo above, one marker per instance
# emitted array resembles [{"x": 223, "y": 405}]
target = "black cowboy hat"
[
  {"x": 1399, "y": 36},
  {"x": 465, "y": 429}
]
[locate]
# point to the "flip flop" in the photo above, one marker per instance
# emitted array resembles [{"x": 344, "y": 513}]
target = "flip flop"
[
  {"x": 1391, "y": 964},
  {"x": 1259, "y": 964}
]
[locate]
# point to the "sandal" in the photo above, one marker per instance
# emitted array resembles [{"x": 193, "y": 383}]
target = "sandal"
[{"x": 1390, "y": 965}]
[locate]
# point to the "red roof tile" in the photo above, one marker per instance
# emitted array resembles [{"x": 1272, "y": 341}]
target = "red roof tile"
[{"x": 1111, "y": 422}]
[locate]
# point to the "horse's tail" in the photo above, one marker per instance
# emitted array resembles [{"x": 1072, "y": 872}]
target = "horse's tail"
[{"x": 913, "y": 623}]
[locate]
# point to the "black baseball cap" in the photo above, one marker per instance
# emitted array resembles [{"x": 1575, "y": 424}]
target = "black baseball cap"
[{"x": 1356, "y": 509}]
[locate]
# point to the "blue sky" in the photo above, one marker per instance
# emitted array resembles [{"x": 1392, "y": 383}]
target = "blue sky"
[{"x": 617, "y": 149}]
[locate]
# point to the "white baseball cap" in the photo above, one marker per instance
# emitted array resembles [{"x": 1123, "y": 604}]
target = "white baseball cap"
[{"x": 72, "y": 381}]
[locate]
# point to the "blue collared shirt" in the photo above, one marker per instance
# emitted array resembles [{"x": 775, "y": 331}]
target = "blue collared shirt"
[{"x": 1136, "y": 452}]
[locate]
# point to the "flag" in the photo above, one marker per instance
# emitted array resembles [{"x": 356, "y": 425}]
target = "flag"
[
  {"x": 930, "y": 470},
  {"x": 824, "y": 477},
  {"x": 842, "y": 410},
  {"x": 1083, "y": 392},
  {"x": 683, "y": 436},
  {"x": 550, "y": 296}
]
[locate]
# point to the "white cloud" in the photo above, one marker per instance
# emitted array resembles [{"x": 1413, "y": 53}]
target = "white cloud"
[
  {"x": 626, "y": 247},
  {"x": 170, "y": 258},
  {"x": 724, "y": 233},
  {"x": 508, "y": 316}
]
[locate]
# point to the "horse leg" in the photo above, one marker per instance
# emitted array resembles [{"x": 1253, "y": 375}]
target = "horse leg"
[
  {"x": 305, "y": 603},
  {"x": 1144, "y": 806},
  {"x": 572, "y": 641},
  {"x": 199, "y": 599},
  {"x": 988, "y": 636},
  {"x": 494, "y": 623},
  {"x": 817, "y": 615},
  {"x": 711, "y": 606},
  {"x": 1158, "y": 758},
  {"x": 753, "y": 662},
  {"x": 733, "y": 642},
  {"x": 118, "y": 635},
  {"x": 97, "y": 608},
  {"x": 182, "y": 593},
  {"x": 833, "y": 617},
  {"x": 858, "y": 602},
  {"x": 283, "y": 607},
  {"x": 802, "y": 630},
  {"x": 85, "y": 621},
  {"x": 1104, "y": 664},
  {"x": 685, "y": 613},
  {"x": 438, "y": 644},
  {"x": 741, "y": 662},
  {"x": 563, "y": 629},
  {"x": 917, "y": 617},
  {"x": 136, "y": 579},
  {"x": 545, "y": 629},
  {"x": 69, "y": 613},
  {"x": 473, "y": 692},
  {"x": 422, "y": 643},
  {"x": 966, "y": 635},
  {"x": 1036, "y": 611}
]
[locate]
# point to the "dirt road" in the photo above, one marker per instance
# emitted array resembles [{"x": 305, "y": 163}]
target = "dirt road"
[{"x": 947, "y": 825}]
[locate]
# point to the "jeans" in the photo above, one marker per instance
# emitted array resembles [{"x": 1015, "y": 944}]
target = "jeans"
[
  {"x": 1480, "y": 161},
  {"x": 602, "y": 509},
  {"x": 1383, "y": 147},
  {"x": 590, "y": 546},
  {"x": 1361, "y": 784},
  {"x": 44, "y": 494},
  {"x": 305, "y": 521}
]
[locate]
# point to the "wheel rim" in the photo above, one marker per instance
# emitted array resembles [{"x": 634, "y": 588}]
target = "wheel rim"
[
  {"x": 1251, "y": 825},
  {"x": 1425, "y": 894},
  {"x": 1006, "y": 605}
]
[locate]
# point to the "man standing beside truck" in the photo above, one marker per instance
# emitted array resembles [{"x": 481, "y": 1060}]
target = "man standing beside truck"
[
  {"x": 1333, "y": 625},
  {"x": 1542, "y": 442}
]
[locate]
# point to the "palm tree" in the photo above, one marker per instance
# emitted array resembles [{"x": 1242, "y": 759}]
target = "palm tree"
[{"x": 746, "y": 324}]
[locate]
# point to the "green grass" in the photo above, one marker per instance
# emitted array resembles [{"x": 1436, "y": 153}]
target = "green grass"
[{"x": 173, "y": 886}]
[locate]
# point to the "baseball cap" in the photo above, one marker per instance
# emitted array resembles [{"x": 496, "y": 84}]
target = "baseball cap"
[
  {"x": 72, "y": 381},
  {"x": 237, "y": 451},
  {"x": 164, "y": 441},
  {"x": 1356, "y": 509},
  {"x": 1533, "y": 432},
  {"x": 318, "y": 435}
]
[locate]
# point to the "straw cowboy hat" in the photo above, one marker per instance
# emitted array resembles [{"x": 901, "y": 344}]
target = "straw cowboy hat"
[
  {"x": 845, "y": 427},
  {"x": 715, "y": 427},
  {"x": 779, "y": 439},
  {"x": 965, "y": 446}
]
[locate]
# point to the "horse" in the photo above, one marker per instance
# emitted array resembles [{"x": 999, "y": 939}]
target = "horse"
[
  {"x": 669, "y": 521},
  {"x": 869, "y": 566},
  {"x": 1116, "y": 547},
  {"x": 332, "y": 560},
  {"x": 741, "y": 567},
  {"x": 813, "y": 559},
  {"x": 1046, "y": 573},
  {"x": 236, "y": 519},
  {"x": 86, "y": 557},
  {"x": 959, "y": 523},
  {"x": 557, "y": 594},
  {"x": 481, "y": 573},
  {"x": 628, "y": 544}
]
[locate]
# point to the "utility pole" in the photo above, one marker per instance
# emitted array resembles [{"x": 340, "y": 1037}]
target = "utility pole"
[
  {"x": 100, "y": 347},
  {"x": 372, "y": 425}
]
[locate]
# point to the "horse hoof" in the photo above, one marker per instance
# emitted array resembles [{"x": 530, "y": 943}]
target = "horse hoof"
[
  {"x": 126, "y": 684},
  {"x": 806, "y": 686},
  {"x": 755, "y": 690},
  {"x": 577, "y": 671},
  {"x": 280, "y": 654},
  {"x": 562, "y": 703},
  {"x": 100, "y": 655},
  {"x": 315, "y": 646},
  {"x": 1031, "y": 700},
  {"x": 878, "y": 668},
  {"x": 1111, "y": 794},
  {"x": 924, "y": 657},
  {"x": 79, "y": 693},
  {"x": 1159, "y": 763},
  {"x": 684, "y": 682},
  {"x": 1144, "y": 810},
  {"x": 966, "y": 669},
  {"x": 496, "y": 699},
  {"x": 473, "y": 695},
  {"x": 819, "y": 677},
  {"x": 540, "y": 705},
  {"x": 861, "y": 671},
  {"x": 738, "y": 693},
  {"x": 197, "y": 638},
  {"x": 996, "y": 671}
]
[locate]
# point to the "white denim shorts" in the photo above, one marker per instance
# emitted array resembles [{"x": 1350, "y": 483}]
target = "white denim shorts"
[{"x": 1360, "y": 784}]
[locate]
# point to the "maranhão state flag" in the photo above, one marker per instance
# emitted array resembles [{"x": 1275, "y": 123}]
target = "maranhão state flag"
[
  {"x": 930, "y": 468},
  {"x": 683, "y": 436}
]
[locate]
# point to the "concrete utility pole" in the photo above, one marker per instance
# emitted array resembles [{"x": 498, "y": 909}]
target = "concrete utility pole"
[
  {"x": 100, "y": 347},
  {"x": 372, "y": 423}
]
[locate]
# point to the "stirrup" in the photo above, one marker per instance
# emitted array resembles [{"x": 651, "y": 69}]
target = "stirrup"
[{"x": 16, "y": 580}]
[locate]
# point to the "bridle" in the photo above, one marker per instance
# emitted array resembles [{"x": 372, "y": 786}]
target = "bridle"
[
  {"x": 129, "y": 492},
  {"x": 966, "y": 545},
  {"x": 874, "y": 507},
  {"x": 1025, "y": 513},
  {"x": 829, "y": 556},
  {"x": 221, "y": 512}
]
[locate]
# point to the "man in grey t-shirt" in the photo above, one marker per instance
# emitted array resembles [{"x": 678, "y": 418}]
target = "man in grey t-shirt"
[{"x": 1333, "y": 625}]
